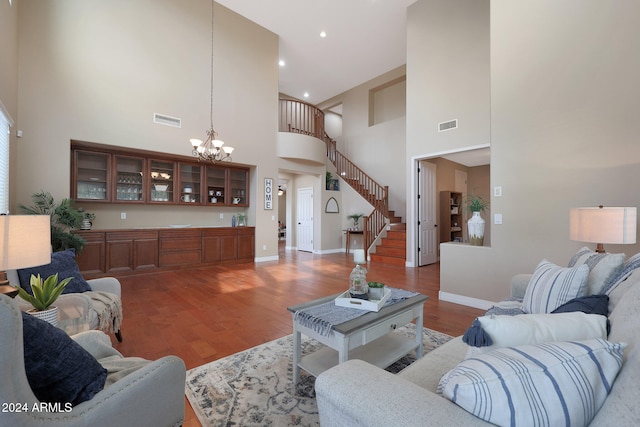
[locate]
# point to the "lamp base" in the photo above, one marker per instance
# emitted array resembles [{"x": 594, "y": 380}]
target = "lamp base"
[{"x": 600, "y": 248}]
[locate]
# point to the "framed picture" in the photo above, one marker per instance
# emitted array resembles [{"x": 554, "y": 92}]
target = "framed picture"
[
  {"x": 268, "y": 194},
  {"x": 333, "y": 185}
]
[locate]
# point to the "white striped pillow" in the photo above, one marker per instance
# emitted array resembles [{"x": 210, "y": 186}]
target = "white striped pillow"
[
  {"x": 601, "y": 267},
  {"x": 551, "y": 286},
  {"x": 550, "y": 384}
]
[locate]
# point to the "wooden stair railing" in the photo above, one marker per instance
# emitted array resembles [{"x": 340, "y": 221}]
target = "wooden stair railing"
[
  {"x": 300, "y": 117},
  {"x": 374, "y": 193}
]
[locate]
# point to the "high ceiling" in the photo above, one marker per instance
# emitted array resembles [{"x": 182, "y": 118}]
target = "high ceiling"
[{"x": 364, "y": 39}]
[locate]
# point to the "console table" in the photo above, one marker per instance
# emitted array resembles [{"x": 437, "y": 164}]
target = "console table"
[
  {"x": 368, "y": 337},
  {"x": 349, "y": 233}
]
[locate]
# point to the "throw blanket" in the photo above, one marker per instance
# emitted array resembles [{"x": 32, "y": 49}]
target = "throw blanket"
[
  {"x": 109, "y": 309},
  {"x": 322, "y": 318}
]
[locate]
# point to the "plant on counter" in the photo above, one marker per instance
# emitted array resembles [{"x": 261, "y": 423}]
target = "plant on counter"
[{"x": 64, "y": 219}]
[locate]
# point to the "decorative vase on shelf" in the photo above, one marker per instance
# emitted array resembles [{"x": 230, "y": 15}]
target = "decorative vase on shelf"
[{"x": 475, "y": 226}]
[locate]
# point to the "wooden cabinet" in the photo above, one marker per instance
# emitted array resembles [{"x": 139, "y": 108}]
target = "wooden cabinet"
[
  {"x": 180, "y": 247},
  {"x": 451, "y": 216},
  {"x": 122, "y": 252},
  {"x": 103, "y": 173}
]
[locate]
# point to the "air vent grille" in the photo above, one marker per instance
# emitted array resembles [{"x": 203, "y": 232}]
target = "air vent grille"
[
  {"x": 451, "y": 124},
  {"x": 163, "y": 119}
]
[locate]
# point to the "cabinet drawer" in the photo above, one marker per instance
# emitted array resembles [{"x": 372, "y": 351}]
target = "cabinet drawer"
[
  {"x": 386, "y": 326},
  {"x": 179, "y": 258}
]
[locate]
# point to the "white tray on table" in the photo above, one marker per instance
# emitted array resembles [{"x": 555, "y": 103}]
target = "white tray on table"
[{"x": 345, "y": 300}]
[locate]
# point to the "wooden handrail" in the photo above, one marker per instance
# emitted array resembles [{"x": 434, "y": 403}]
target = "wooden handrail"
[
  {"x": 300, "y": 117},
  {"x": 374, "y": 193}
]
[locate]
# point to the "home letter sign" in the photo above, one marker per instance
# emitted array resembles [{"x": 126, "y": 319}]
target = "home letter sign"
[{"x": 268, "y": 193}]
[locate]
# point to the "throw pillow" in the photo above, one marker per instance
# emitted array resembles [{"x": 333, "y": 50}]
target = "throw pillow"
[
  {"x": 550, "y": 384},
  {"x": 58, "y": 369},
  {"x": 509, "y": 331},
  {"x": 591, "y": 304},
  {"x": 601, "y": 267},
  {"x": 63, "y": 263},
  {"x": 551, "y": 286}
]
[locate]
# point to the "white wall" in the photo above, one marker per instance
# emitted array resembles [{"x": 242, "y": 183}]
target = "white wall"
[{"x": 97, "y": 71}]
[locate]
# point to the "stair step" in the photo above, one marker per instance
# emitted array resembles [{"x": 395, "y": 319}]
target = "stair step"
[
  {"x": 391, "y": 251},
  {"x": 387, "y": 260},
  {"x": 397, "y": 234},
  {"x": 398, "y": 226},
  {"x": 393, "y": 243}
]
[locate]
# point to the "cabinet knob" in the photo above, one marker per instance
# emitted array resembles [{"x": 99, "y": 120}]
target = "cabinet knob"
[{"x": 394, "y": 326}]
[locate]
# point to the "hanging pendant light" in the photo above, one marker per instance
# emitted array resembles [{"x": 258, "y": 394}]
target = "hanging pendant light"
[{"x": 212, "y": 149}]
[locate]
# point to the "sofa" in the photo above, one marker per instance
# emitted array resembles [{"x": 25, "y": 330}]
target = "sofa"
[
  {"x": 50, "y": 379},
  {"x": 356, "y": 393}
]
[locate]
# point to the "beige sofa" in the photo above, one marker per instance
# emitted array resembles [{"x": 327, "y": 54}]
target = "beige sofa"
[{"x": 356, "y": 393}]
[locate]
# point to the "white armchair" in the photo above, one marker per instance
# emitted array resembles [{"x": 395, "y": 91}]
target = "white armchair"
[
  {"x": 137, "y": 393},
  {"x": 87, "y": 310}
]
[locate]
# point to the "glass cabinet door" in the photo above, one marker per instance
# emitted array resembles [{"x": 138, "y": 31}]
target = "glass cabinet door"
[
  {"x": 92, "y": 176},
  {"x": 216, "y": 182},
  {"x": 239, "y": 187},
  {"x": 129, "y": 179},
  {"x": 190, "y": 183},
  {"x": 162, "y": 181}
]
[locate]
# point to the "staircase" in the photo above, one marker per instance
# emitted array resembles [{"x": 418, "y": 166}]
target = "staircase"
[
  {"x": 392, "y": 249},
  {"x": 300, "y": 117}
]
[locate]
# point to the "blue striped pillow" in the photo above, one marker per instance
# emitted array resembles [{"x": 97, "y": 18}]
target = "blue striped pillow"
[
  {"x": 550, "y": 384},
  {"x": 551, "y": 286}
]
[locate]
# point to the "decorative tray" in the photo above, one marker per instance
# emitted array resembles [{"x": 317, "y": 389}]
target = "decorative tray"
[{"x": 345, "y": 300}]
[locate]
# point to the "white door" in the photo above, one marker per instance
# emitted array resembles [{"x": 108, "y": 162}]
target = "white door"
[
  {"x": 304, "y": 230},
  {"x": 427, "y": 233}
]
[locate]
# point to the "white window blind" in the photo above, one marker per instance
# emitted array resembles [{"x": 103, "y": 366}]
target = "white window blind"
[{"x": 5, "y": 128}]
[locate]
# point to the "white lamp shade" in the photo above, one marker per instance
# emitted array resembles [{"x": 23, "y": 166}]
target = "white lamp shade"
[
  {"x": 25, "y": 241},
  {"x": 614, "y": 225}
]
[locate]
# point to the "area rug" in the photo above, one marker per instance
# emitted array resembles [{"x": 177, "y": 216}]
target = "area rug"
[{"x": 254, "y": 387}]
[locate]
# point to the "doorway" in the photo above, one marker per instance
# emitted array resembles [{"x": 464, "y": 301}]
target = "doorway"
[
  {"x": 427, "y": 233},
  {"x": 304, "y": 215}
]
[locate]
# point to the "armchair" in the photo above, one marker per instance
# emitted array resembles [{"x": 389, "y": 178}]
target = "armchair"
[
  {"x": 137, "y": 392},
  {"x": 95, "y": 309}
]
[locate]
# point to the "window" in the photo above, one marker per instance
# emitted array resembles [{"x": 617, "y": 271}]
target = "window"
[{"x": 5, "y": 129}]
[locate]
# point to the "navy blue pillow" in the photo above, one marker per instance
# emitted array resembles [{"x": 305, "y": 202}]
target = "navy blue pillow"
[
  {"x": 63, "y": 263},
  {"x": 58, "y": 369},
  {"x": 592, "y": 304}
]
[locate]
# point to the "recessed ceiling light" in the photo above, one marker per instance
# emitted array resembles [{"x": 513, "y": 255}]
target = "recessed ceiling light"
[
  {"x": 306, "y": 94},
  {"x": 281, "y": 63},
  {"x": 323, "y": 34}
]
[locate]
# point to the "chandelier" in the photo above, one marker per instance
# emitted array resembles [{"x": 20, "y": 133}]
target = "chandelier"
[{"x": 212, "y": 149}]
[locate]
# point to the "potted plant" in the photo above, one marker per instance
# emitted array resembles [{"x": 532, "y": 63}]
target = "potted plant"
[
  {"x": 64, "y": 219},
  {"x": 87, "y": 219},
  {"x": 45, "y": 293},
  {"x": 356, "y": 218},
  {"x": 475, "y": 224},
  {"x": 376, "y": 290}
]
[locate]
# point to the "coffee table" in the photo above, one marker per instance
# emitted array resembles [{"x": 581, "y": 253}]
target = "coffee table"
[{"x": 368, "y": 337}]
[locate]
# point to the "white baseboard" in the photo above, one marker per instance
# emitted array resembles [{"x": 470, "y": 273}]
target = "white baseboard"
[
  {"x": 468, "y": 301},
  {"x": 266, "y": 258}
]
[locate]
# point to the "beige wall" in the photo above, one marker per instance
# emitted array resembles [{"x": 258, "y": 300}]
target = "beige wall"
[
  {"x": 378, "y": 149},
  {"x": 564, "y": 133},
  {"x": 97, "y": 71},
  {"x": 447, "y": 78},
  {"x": 9, "y": 77}
]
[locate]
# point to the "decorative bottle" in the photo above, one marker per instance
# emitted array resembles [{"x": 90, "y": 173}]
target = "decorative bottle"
[
  {"x": 233, "y": 221},
  {"x": 358, "y": 287}
]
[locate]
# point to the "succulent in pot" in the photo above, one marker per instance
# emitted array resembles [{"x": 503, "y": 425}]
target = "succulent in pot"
[{"x": 45, "y": 293}]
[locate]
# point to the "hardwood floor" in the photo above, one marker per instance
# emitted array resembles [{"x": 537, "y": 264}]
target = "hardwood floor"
[{"x": 205, "y": 314}]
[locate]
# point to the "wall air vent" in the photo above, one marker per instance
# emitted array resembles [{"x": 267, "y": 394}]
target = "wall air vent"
[
  {"x": 163, "y": 119},
  {"x": 451, "y": 124}
]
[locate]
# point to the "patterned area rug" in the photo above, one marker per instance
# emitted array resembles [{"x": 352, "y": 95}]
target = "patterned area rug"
[{"x": 254, "y": 387}]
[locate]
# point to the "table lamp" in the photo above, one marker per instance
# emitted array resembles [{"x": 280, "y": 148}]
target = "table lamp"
[
  {"x": 25, "y": 241},
  {"x": 600, "y": 225}
]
